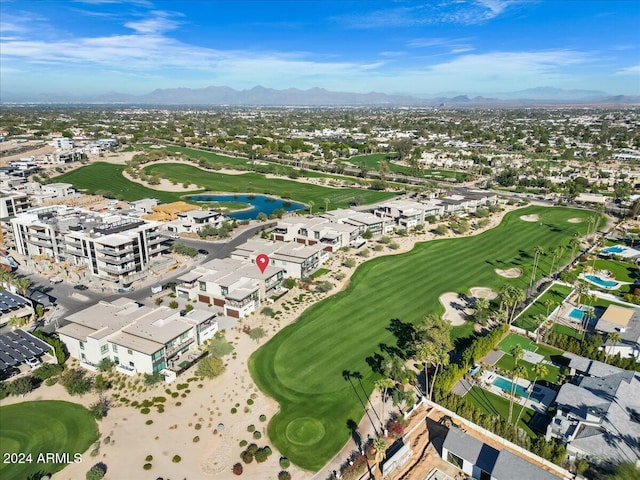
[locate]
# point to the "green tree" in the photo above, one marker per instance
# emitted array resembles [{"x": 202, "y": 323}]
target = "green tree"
[
  {"x": 219, "y": 346},
  {"x": 257, "y": 333},
  {"x": 613, "y": 338},
  {"x": 20, "y": 386},
  {"x": 210, "y": 367},
  {"x": 75, "y": 381},
  {"x": 518, "y": 372},
  {"x": 540, "y": 370}
]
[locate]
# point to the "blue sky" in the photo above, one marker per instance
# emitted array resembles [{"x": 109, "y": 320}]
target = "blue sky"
[{"x": 409, "y": 47}]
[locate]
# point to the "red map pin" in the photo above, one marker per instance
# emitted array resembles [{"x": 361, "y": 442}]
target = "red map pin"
[{"x": 262, "y": 261}]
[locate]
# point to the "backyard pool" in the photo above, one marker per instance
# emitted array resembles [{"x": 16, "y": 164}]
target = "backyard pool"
[
  {"x": 506, "y": 385},
  {"x": 614, "y": 250},
  {"x": 577, "y": 314},
  {"x": 602, "y": 282},
  {"x": 259, "y": 204}
]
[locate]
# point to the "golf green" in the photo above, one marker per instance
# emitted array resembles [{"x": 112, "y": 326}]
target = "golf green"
[
  {"x": 303, "y": 366},
  {"x": 32, "y": 433}
]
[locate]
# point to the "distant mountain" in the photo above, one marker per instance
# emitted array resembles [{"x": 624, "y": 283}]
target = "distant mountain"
[{"x": 262, "y": 96}]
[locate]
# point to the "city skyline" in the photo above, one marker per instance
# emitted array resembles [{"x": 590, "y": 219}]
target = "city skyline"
[{"x": 89, "y": 47}]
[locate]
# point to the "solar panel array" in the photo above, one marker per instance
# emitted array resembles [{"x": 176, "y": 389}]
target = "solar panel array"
[
  {"x": 17, "y": 346},
  {"x": 9, "y": 301}
]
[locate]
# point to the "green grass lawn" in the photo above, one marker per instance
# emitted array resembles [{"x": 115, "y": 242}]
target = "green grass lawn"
[
  {"x": 41, "y": 427},
  {"x": 566, "y": 330},
  {"x": 107, "y": 177},
  {"x": 492, "y": 404},
  {"x": 507, "y": 362},
  {"x": 301, "y": 367},
  {"x": 623, "y": 271},
  {"x": 529, "y": 320},
  {"x": 258, "y": 183},
  {"x": 320, "y": 272},
  {"x": 513, "y": 339},
  {"x": 372, "y": 161}
]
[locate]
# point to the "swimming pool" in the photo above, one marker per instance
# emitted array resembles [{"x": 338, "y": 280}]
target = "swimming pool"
[
  {"x": 615, "y": 249},
  {"x": 504, "y": 384},
  {"x": 576, "y": 314},
  {"x": 601, "y": 282}
]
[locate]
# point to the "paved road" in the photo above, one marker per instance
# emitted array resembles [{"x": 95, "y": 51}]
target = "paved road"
[{"x": 71, "y": 301}]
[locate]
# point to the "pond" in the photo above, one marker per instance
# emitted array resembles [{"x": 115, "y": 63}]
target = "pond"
[{"x": 260, "y": 204}]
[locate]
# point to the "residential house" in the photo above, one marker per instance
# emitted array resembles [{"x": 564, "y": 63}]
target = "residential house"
[
  {"x": 236, "y": 286},
  {"x": 598, "y": 416},
  {"x": 626, "y": 323},
  {"x": 297, "y": 260},
  {"x": 483, "y": 462},
  {"x": 316, "y": 231},
  {"x": 139, "y": 339}
]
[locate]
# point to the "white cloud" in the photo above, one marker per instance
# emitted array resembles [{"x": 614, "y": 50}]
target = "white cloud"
[
  {"x": 633, "y": 70},
  {"x": 158, "y": 22}
]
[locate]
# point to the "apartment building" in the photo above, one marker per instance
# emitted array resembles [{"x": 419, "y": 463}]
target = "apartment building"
[
  {"x": 236, "y": 286},
  {"x": 114, "y": 248},
  {"x": 297, "y": 260},
  {"x": 362, "y": 220},
  {"x": 139, "y": 339},
  {"x": 316, "y": 231}
]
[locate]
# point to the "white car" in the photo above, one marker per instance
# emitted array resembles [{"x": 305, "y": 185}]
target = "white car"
[{"x": 33, "y": 362}]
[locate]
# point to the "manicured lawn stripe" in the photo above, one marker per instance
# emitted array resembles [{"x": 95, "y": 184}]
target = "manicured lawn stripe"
[
  {"x": 301, "y": 367},
  {"x": 41, "y": 427},
  {"x": 566, "y": 330},
  {"x": 507, "y": 362}
]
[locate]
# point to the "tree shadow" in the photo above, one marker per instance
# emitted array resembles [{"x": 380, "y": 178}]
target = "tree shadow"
[
  {"x": 404, "y": 332},
  {"x": 353, "y": 429}
]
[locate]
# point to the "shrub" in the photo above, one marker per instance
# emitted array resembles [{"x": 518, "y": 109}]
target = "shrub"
[
  {"x": 196, "y": 439},
  {"x": 289, "y": 283},
  {"x": 106, "y": 365},
  {"x": 148, "y": 458},
  {"x": 176, "y": 459},
  {"x": 284, "y": 475},
  {"x": 243, "y": 443},
  {"x": 268, "y": 311},
  {"x": 237, "y": 469},
  {"x": 324, "y": 287},
  {"x": 246, "y": 456},
  {"x": 394, "y": 246},
  {"x": 257, "y": 435},
  {"x": 219, "y": 346},
  {"x": 349, "y": 262},
  {"x": 284, "y": 462},
  {"x": 173, "y": 304},
  {"x": 257, "y": 333},
  {"x": 251, "y": 428},
  {"x": 147, "y": 466},
  {"x": 263, "y": 418},
  {"x": 75, "y": 382},
  {"x": 100, "y": 408},
  {"x": 262, "y": 454},
  {"x": 58, "y": 346},
  {"x": 46, "y": 371},
  {"x": 96, "y": 472},
  {"x": 210, "y": 367},
  {"x": 20, "y": 386},
  {"x": 148, "y": 422},
  {"x": 153, "y": 378}
]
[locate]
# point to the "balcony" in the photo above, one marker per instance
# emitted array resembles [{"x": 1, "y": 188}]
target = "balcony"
[
  {"x": 41, "y": 243},
  {"x": 154, "y": 240},
  {"x": 117, "y": 269},
  {"x": 126, "y": 369},
  {"x": 114, "y": 251},
  {"x": 73, "y": 250},
  {"x": 115, "y": 259},
  {"x": 171, "y": 351},
  {"x": 240, "y": 304}
]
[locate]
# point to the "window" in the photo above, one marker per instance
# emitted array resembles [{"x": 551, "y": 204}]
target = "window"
[
  {"x": 454, "y": 459},
  {"x": 184, "y": 336},
  {"x": 114, "y": 347},
  {"x": 224, "y": 290},
  {"x": 81, "y": 345},
  {"x": 157, "y": 356},
  {"x": 104, "y": 348},
  {"x": 203, "y": 286},
  {"x": 130, "y": 352}
]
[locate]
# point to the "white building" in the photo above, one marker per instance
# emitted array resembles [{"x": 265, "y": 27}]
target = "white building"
[
  {"x": 316, "y": 231},
  {"x": 236, "y": 286},
  {"x": 297, "y": 260},
  {"x": 114, "y": 248},
  {"x": 139, "y": 339},
  {"x": 62, "y": 143}
]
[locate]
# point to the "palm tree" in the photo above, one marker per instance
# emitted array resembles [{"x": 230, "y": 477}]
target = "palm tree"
[
  {"x": 326, "y": 204},
  {"x": 22, "y": 285},
  {"x": 380, "y": 448},
  {"x": 538, "y": 251},
  {"x": 518, "y": 371},
  {"x": 575, "y": 244},
  {"x": 540, "y": 370},
  {"x": 614, "y": 338},
  {"x": 383, "y": 385},
  {"x": 517, "y": 352},
  {"x": 311, "y": 203},
  {"x": 441, "y": 360},
  {"x": 518, "y": 297}
]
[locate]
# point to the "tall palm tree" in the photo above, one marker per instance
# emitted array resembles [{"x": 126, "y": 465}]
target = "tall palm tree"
[
  {"x": 311, "y": 203},
  {"x": 326, "y": 204},
  {"x": 517, "y": 352},
  {"x": 380, "y": 448},
  {"x": 383, "y": 385},
  {"x": 538, "y": 251},
  {"x": 540, "y": 370},
  {"x": 22, "y": 285},
  {"x": 575, "y": 244},
  {"x": 614, "y": 338},
  {"x": 518, "y": 372},
  {"x": 518, "y": 297}
]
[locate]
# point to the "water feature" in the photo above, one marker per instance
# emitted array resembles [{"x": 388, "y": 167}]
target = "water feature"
[
  {"x": 602, "y": 282},
  {"x": 506, "y": 385},
  {"x": 614, "y": 250},
  {"x": 259, "y": 204}
]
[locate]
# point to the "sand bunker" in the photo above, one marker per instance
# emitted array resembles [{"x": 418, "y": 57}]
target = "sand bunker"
[
  {"x": 511, "y": 273},
  {"x": 483, "y": 292},
  {"x": 575, "y": 220},
  {"x": 454, "y": 308},
  {"x": 530, "y": 218}
]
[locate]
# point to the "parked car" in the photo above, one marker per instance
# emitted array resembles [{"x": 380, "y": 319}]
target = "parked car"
[
  {"x": 79, "y": 286},
  {"x": 202, "y": 251},
  {"x": 8, "y": 373},
  {"x": 33, "y": 362},
  {"x": 55, "y": 280}
]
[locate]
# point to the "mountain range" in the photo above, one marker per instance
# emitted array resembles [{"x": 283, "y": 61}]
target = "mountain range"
[{"x": 317, "y": 97}]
